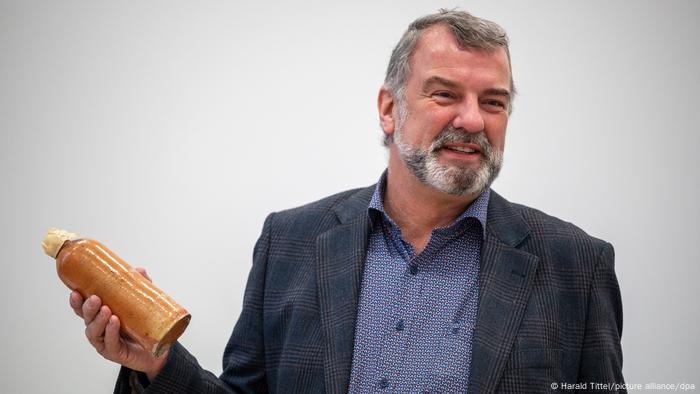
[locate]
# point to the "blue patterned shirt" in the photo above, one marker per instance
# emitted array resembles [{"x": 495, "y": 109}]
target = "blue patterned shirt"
[{"x": 417, "y": 312}]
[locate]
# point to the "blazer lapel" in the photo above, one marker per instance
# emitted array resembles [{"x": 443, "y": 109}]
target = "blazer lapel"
[
  {"x": 506, "y": 277},
  {"x": 340, "y": 260}
]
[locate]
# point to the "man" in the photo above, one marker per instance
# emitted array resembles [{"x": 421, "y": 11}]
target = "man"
[{"x": 428, "y": 281}]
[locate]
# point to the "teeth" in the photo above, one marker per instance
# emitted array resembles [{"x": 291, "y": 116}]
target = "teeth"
[{"x": 461, "y": 149}]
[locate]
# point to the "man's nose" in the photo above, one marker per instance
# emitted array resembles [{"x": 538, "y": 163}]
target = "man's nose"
[{"x": 469, "y": 117}]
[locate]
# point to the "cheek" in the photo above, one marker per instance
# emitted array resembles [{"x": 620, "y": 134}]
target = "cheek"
[
  {"x": 499, "y": 142},
  {"x": 431, "y": 125},
  {"x": 496, "y": 134},
  {"x": 420, "y": 131}
]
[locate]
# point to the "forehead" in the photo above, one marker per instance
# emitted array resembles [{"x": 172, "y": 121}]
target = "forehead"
[{"x": 438, "y": 52}]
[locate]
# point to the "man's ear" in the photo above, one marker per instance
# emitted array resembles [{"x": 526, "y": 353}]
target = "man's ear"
[{"x": 385, "y": 106}]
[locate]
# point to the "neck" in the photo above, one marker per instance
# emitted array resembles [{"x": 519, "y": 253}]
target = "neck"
[{"x": 418, "y": 208}]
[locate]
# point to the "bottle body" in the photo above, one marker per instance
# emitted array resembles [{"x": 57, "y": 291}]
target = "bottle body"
[{"x": 147, "y": 314}]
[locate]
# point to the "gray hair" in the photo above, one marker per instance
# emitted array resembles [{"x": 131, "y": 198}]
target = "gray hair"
[{"x": 470, "y": 32}]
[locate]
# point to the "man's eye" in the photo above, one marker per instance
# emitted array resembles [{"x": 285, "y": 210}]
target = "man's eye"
[
  {"x": 443, "y": 94},
  {"x": 495, "y": 103}
]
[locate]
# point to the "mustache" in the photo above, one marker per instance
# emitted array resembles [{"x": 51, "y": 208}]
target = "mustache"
[{"x": 451, "y": 135}]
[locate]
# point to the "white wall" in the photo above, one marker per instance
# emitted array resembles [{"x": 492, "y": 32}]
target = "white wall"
[{"x": 169, "y": 129}]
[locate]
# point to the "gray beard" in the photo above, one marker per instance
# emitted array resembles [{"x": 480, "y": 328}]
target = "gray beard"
[{"x": 454, "y": 180}]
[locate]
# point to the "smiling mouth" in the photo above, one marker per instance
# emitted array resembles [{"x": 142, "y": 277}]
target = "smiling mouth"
[{"x": 461, "y": 149}]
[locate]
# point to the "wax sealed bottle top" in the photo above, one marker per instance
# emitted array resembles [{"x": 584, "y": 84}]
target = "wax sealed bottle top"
[{"x": 54, "y": 239}]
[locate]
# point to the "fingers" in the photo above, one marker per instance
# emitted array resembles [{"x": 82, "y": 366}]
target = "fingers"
[
  {"x": 102, "y": 330},
  {"x": 76, "y": 302},
  {"x": 143, "y": 272},
  {"x": 95, "y": 330},
  {"x": 112, "y": 341},
  {"x": 90, "y": 308}
]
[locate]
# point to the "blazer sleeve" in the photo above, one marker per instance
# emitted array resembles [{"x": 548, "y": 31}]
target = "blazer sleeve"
[
  {"x": 244, "y": 356},
  {"x": 601, "y": 356}
]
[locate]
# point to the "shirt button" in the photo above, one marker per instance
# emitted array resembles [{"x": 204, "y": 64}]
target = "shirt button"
[
  {"x": 384, "y": 383},
  {"x": 399, "y": 325},
  {"x": 414, "y": 270}
]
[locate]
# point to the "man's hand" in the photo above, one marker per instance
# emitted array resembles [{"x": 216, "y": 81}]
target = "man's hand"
[{"x": 102, "y": 331}]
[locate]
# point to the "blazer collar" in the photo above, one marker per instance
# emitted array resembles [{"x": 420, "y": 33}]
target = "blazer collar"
[
  {"x": 505, "y": 223},
  {"x": 355, "y": 205}
]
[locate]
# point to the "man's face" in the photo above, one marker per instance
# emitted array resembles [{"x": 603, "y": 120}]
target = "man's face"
[{"x": 449, "y": 129}]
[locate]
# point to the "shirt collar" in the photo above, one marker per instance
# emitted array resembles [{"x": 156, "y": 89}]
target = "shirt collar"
[{"x": 477, "y": 209}]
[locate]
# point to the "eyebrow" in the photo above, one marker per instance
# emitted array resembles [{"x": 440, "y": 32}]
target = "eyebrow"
[
  {"x": 436, "y": 80},
  {"x": 497, "y": 92}
]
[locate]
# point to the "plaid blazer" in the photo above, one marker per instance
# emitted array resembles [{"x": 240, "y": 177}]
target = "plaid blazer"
[{"x": 549, "y": 308}]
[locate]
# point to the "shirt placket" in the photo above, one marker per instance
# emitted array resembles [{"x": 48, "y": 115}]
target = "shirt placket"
[{"x": 399, "y": 332}]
